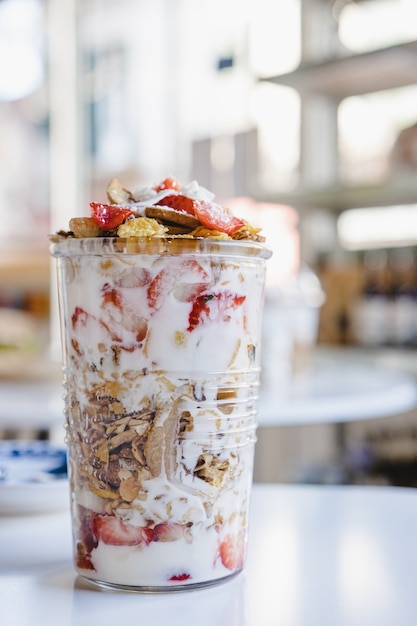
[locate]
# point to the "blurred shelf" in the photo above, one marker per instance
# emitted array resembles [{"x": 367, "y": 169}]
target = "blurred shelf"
[
  {"x": 358, "y": 74},
  {"x": 399, "y": 190},
  {"x": 25, "y": 269},
  {"x": 343, "y": 385}
]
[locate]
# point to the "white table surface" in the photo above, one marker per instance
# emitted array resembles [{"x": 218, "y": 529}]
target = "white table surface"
[
  {"x": 318, "y": 556},
  {"x": 339, "y": 387}
]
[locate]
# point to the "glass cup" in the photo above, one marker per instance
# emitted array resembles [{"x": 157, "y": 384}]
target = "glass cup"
[{"x": 161, "y": 350}]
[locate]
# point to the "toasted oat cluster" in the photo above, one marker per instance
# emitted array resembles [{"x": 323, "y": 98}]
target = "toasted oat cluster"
[
  {"x": 168, "y": 209},
  {"x": 120, "y": 451}
]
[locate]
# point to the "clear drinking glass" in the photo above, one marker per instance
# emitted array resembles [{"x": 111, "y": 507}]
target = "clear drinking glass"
[{"x": 161, "y": 348}]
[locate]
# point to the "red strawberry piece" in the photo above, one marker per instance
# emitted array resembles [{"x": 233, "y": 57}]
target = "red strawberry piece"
[
  {"x": 187, "y": 292},
  {"x": 169, "y": 279},
  {"x": 232, "y": 551},
  {"x": 179, "y": 203},
  {"x": 113, "y": 531},
  {"x": 159, "y": 287},
  {"x": 85, "y": 532},
  {"x": 109, "y": 216},
  {"x": 167, "y": 531},
  {"x": 114, "y": 297},
  {"x": 116, "y": 308},
  {"x": 215, "y": 217},
  {"x": 212, "y": 307},
  {"x": 168, "y": 183},
  {"x": 79, "y": 317},
  {"x": 180, "y": 577}
]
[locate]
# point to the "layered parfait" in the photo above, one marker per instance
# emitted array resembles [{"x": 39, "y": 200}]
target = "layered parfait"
[{"x": 161, "y": 295}]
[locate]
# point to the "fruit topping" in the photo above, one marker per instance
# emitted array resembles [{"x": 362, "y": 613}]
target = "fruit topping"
[
  {"x": 214, "y": 216},
  {"x": 168, "y": 183},
  {"x": 179, "y": 203},
  {"x": 109, "y": 216}
]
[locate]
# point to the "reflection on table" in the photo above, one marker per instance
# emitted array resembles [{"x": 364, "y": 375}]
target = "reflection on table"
[{"x": 318, "y": 556}]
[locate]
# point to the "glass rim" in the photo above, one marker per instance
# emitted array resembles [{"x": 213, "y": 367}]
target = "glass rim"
[{"x": 110, "y": 246}]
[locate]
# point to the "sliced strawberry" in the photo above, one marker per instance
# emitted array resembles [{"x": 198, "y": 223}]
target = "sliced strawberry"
[
  {"x": 80, "y": 316},
  {"x": 114, "y": 297},
  {"x": 212, "y": 307},
  {"x": 187, "y": 292},
  {"x": 169, "y": 278},
  {"x": 167, "y": 531},
  {"x": 159, "y": 287},
  {"x": 85, "y": 535},
  {"x": 109, "y": 216},
  {"x": 113, "y": 531},
  {"x": 180, "y": 577},
  {"x": 215, "y": 217},
  {"x": 179, "y": 203},
  {"x": 232, "y": 551},
  {"x": 168, "y": 183},
  {"x": 120, "y": 313}
]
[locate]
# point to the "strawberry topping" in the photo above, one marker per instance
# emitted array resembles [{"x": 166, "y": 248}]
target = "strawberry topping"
[
  {"x": 109, "y": 216},
  {"x": 215, "y": 217},
  {"x": 168, "y": 183},
  {"x": 179, "y": 203}
]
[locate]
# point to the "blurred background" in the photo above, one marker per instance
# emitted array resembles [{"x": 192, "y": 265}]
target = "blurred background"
[{"x": 301, "y": 115}]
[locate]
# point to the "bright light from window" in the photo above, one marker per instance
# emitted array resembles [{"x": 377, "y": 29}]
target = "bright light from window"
[
  {"x": 378, "y": 227},
  {"x": 369, "y": 25},
  {"x": 368, "y": 127},
  {"x": 275, "y": 36},
  {"x": 21, "y": 70}
]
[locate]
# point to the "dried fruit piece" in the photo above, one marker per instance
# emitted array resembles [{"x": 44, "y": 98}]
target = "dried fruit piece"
[{"x": 84, "y": 227}]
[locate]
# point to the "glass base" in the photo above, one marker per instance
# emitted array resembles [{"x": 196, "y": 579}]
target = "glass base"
[{"x": 180, "y": 587}]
